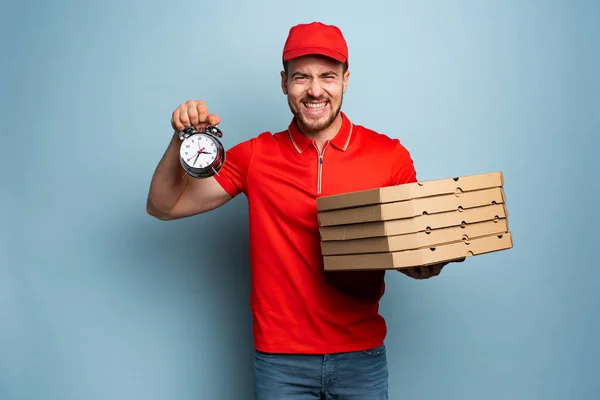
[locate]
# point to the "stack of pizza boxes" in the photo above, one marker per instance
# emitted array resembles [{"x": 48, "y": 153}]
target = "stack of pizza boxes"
[{"x": 414, "y": 224}]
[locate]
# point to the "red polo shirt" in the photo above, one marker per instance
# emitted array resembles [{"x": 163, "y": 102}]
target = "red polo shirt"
[{"x": 297, "y": 306}]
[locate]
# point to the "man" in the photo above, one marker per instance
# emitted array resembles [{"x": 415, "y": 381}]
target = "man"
[{"x": 317, "y": 334}]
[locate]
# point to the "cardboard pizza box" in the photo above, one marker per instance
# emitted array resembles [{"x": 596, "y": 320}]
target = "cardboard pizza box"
[
  {"x": 414, "y": 224},
  {"x": 411, "y": 191},
  {"x": 412, "y": 208},
  {"x": 419, "y": 257},
  {"x": 411, "y": 241}
]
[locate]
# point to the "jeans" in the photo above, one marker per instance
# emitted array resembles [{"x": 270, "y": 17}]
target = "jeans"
[{"x": 360, "y": 375}]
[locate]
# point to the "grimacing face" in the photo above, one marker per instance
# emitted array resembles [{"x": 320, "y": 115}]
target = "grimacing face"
[{"x": 315, "y": 87}]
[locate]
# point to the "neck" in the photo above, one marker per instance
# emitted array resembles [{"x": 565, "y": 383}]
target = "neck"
[{"x": 321, "y": 136}]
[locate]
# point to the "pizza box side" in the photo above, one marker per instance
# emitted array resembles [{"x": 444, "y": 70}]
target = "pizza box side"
[
  {"x": 413, "y": 224},
  {"x": 412, "y": 241},
  {"x": 412, "y": 208},
  {"x": 410, "y": 191},
  {"x": 419, "y": 257}
]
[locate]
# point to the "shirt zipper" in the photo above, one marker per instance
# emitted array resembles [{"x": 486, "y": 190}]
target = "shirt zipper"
[{"x": 320, "y": 166}]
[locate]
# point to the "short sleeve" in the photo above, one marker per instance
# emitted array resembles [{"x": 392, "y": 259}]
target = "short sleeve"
[
  {"x": 232, "y": 176},
  {"x": 402, "y": 168}
]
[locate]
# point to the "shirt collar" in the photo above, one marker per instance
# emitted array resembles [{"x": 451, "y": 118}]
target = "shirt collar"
[{"x": 340, "y": 141}]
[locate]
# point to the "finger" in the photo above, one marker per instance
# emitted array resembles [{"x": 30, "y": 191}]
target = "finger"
[
  {"x": 435, "y": 270},
  {"x": 213, "y": 119},
  {"x": 175, "y": 121},
  {"x": 184, "y": 117},
  {"x": 416, "y": 272},
  {"x": 192, "y": 113},
  {"x": 202, "y": 111},
  {"x": 426, "y": 271},
  {"x": 407, "y": 271}
]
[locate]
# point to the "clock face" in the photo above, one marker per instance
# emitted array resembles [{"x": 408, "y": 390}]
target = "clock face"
[{"x": 198, "y": 151}]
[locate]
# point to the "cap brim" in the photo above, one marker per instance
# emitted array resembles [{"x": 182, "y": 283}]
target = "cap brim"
[{"x": 314, "y": 51}]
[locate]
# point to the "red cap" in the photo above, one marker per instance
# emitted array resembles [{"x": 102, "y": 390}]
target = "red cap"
[{"x": 316, "y": 38}]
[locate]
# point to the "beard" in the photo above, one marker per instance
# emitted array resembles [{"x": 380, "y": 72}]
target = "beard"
[{"x": 310, "y": 125}]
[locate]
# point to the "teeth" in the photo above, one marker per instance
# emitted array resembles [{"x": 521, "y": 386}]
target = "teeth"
[{"x": 315, "y": 106}]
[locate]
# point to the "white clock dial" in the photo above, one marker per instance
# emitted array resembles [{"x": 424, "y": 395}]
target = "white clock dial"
[{"x": 198, "y": 151}]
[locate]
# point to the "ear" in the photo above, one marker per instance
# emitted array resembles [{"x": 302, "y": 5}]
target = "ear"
[
  {"x": 284, "y": 82},
  {"x": 346, "y": 76}
]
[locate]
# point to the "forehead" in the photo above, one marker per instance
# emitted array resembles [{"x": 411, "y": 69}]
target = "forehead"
[{"x": 313, "y": 63}]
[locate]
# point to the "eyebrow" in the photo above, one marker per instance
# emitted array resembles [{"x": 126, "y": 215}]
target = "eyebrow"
[{"x": 321, "y": 74}]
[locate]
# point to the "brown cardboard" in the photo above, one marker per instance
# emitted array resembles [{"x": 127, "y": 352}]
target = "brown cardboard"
[
  {"x": 412, "y": 208},
  {"x": 410, "y": 191},
  {"x": 415, "y": 224},
  {"x": 411, "y": 241},
  {"x": 419, "y": 257}
]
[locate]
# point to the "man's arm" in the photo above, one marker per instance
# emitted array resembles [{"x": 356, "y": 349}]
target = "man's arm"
[{"x": 172, "y": 195}]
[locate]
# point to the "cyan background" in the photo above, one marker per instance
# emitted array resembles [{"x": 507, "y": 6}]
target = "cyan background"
[{"x": 99, "y": 301}]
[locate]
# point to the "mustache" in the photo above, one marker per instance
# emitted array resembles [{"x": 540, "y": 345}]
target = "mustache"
[{"x": 308, "y": 99}]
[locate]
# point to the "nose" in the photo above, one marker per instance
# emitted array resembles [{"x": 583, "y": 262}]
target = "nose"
[{"x": 315, "y": 89}]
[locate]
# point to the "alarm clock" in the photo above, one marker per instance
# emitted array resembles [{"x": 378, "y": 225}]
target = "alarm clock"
[{"x": 201, "y": 153}]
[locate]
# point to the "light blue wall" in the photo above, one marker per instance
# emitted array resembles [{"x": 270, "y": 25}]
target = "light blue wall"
[{"x": 99, "y": 301}]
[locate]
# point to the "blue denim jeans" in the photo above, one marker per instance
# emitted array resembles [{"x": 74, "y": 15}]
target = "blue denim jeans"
[{"x": 360, "y": 375}]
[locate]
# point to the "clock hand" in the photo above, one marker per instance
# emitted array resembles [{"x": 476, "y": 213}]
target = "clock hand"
[{"x": 201, "y": 151}]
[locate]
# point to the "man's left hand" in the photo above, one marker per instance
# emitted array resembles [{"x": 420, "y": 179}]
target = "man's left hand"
[{"x": 427, "y": 271}]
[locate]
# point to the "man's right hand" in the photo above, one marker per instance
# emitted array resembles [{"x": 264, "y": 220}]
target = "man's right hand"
[
  {"x": 193, "y": 113},
  {"x": 171, "y": 195}
]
